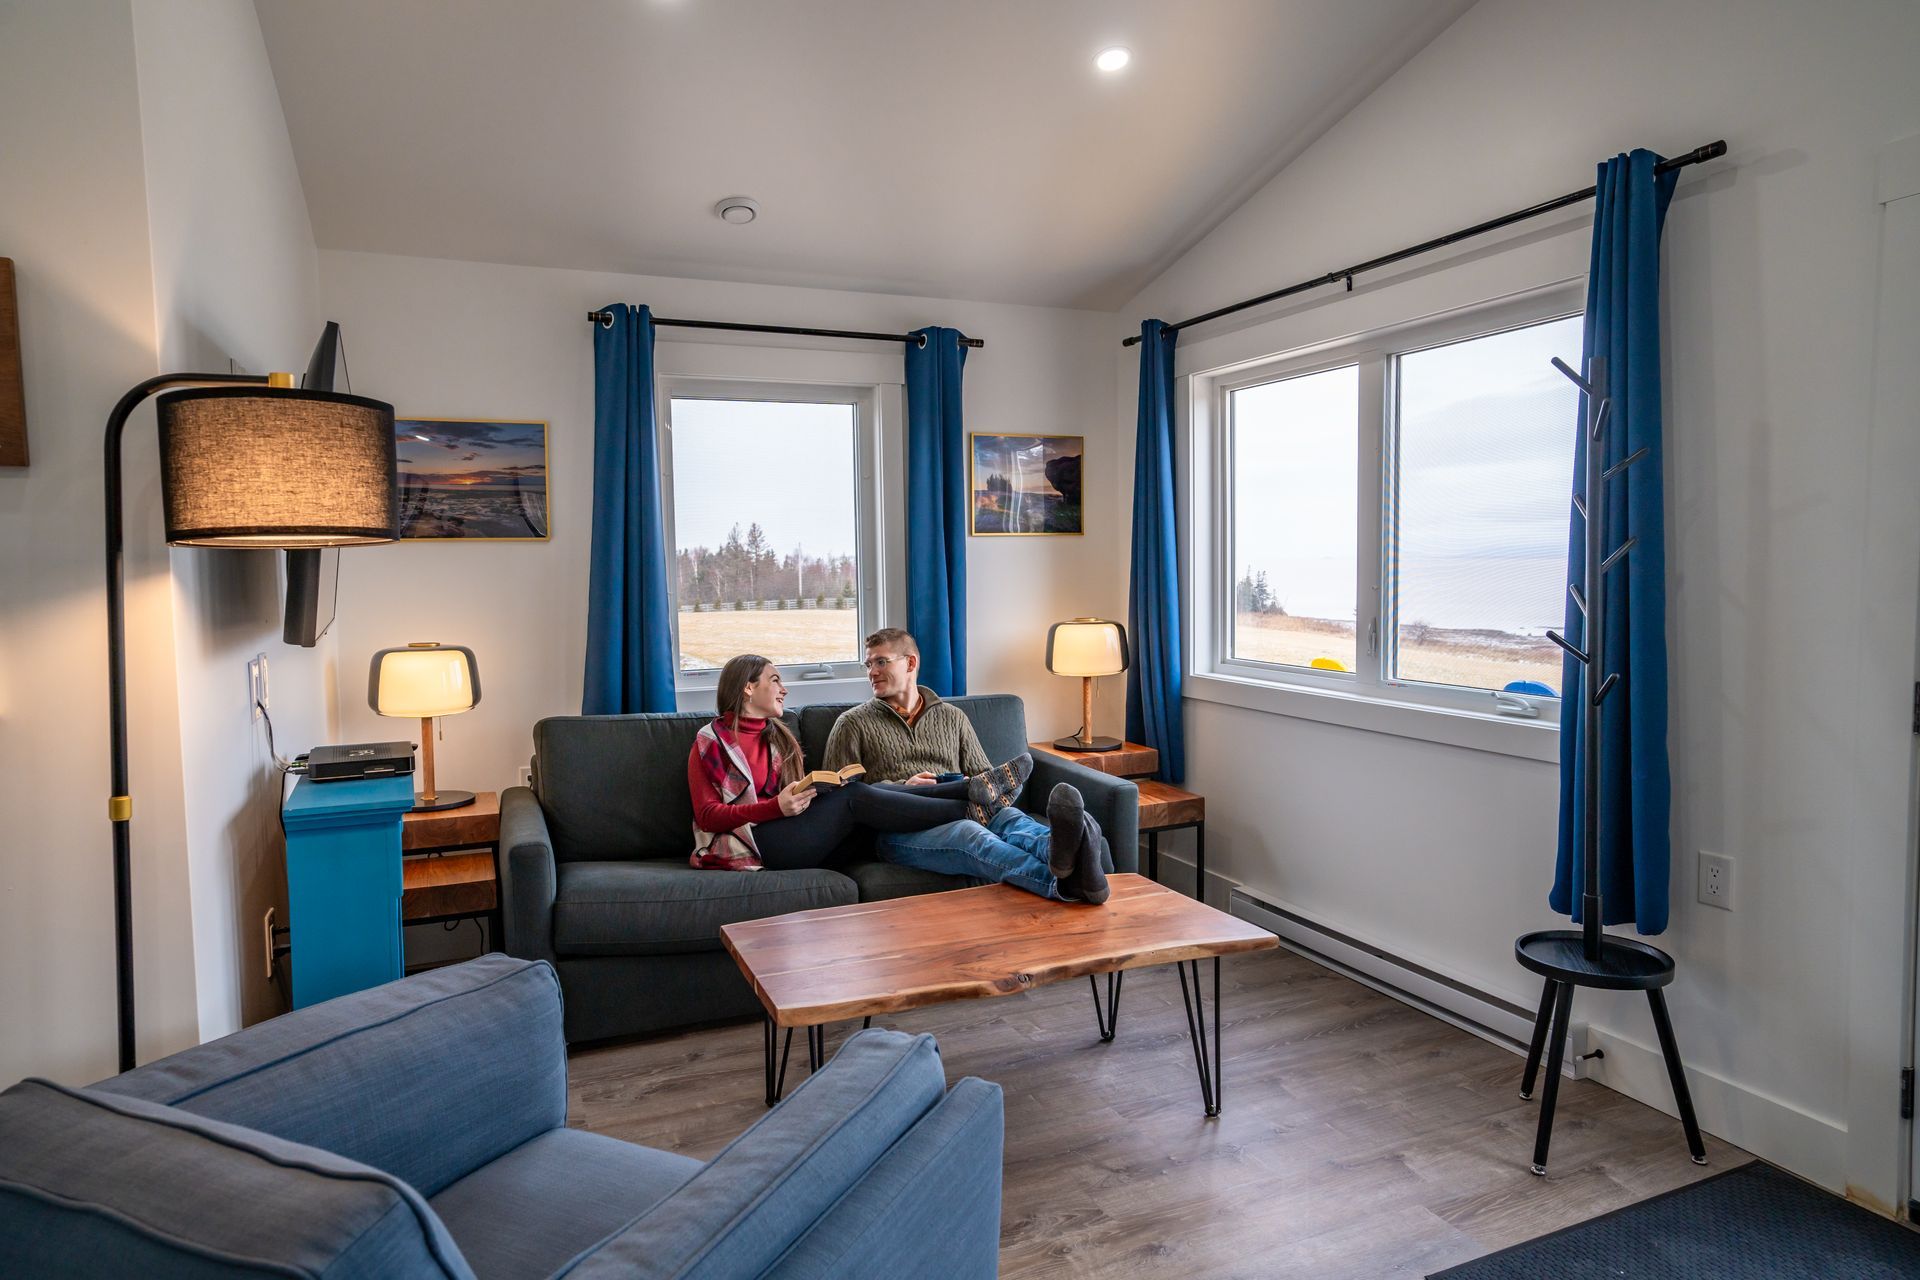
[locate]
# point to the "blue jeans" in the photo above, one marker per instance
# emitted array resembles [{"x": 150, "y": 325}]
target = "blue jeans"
[{"x": 1012, "y": 849}]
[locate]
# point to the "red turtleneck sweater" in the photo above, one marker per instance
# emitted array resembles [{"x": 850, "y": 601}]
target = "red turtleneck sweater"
[{"x": 710, "y": 812}]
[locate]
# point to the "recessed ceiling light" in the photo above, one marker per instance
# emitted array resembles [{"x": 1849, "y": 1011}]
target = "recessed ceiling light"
[
  {"x": 1112, "y": 59},
  {"x": 739, "y": 210}
]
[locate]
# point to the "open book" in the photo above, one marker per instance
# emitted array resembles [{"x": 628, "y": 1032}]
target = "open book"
[{"x": 829, "y": 778}]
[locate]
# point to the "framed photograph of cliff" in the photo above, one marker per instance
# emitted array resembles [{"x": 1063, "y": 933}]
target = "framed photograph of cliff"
[
  {"x": 1025, "y": 484},
  {"x": 478, "y": 478}
]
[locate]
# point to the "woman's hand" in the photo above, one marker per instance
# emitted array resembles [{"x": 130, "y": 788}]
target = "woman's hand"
[{"x": 795, "y": 797}]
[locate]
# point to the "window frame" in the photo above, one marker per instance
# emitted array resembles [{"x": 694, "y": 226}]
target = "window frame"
[
  {"x": 877, "y": 577},
  {"x": 1368, "y": 697}
]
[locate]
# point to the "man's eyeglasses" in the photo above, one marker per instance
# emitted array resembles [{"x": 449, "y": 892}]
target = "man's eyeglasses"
[{"x": 880, "y": 664}]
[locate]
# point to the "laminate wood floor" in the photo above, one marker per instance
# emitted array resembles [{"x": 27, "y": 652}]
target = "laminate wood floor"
[{"x": 1360, "y": 1137}]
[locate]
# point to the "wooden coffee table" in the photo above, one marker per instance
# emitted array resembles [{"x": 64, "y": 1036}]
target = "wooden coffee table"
[{"x": 811, "y": 968}]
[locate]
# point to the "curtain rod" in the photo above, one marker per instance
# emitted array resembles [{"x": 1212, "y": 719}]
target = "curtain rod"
[
  {"x": 605, "y": 320},
  {"x": 1712, "y": 151}
]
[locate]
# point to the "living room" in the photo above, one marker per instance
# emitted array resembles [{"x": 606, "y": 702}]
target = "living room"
[{"x": 205, "y": 186}]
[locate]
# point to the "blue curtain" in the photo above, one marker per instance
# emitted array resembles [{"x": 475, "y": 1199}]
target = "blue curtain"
[
  {"x": 1623, "y": 326},
  {"x": 937, "y": 509},
  {"x": 1154, "y": 710},
  {"x": 629, "y": 622}
]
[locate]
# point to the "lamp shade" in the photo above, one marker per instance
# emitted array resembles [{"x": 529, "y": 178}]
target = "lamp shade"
[
  {"x": 423, "y": 680},
  {"x": 1087, "y": 647},
  {"x": 253, "y": 467}
]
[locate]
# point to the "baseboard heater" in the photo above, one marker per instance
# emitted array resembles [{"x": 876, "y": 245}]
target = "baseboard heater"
[{"x": 1493, "y": 1018}]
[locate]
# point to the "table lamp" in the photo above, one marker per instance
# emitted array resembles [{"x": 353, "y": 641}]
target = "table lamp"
[
  {"x": 246, "y": 460},
  {"x": 422, "y": 681},
  {"x": 1086, "y": 647}
]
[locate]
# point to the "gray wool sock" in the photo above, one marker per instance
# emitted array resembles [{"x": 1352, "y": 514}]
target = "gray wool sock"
[{"x": 1066, "y": 817}]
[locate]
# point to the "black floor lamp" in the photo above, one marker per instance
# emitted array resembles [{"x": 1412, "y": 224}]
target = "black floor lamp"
[{"x": 246, "y": 461}]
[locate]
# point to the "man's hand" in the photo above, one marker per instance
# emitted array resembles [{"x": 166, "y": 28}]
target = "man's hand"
[
  {"x": 795, "y": 797},
  {"x": 922, "y": 780}
]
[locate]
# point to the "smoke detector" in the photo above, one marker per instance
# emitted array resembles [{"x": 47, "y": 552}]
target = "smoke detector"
[{"x": 739, "y": 210}]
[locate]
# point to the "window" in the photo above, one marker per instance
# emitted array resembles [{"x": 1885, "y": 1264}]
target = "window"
[
  {"x": 772, "y": 518},
  {"x": 1390, "y": 515}
]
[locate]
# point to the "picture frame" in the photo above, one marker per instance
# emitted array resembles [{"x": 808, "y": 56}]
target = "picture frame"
[
  {"x": 473, "y": 479},
  {"x": 1025, "y": 485}
]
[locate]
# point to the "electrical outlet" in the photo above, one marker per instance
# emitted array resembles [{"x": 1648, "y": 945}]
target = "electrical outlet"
[
  {"x": 526, "y": 775},
  {"x": 1716, "y": 880},
  {"x": 257, "y": 684},
  {"x": 266, "y": 931}
]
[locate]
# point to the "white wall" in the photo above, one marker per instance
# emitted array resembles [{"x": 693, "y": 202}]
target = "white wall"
[
  {"x": 235, "y": 279},
  {"x": 73, "y": 218},
  {"x": 1789, "y": 1007},
  {"x": 452, "y": 339}
]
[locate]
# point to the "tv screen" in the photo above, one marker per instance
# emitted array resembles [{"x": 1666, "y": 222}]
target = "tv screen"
[{"x": 313, "y": 576}]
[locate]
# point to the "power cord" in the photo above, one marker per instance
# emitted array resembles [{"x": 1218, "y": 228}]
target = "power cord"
[{"x": 296, "y": 765}]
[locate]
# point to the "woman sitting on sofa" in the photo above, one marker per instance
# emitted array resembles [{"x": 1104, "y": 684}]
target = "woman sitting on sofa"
[{"x": 753, "y": 806}]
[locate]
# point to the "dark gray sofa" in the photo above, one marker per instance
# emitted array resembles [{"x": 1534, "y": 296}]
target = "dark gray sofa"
[{"x": 594, "y": 874}]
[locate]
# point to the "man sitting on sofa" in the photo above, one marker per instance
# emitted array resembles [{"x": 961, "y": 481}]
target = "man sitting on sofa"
[{"x": 907, "y": 734}]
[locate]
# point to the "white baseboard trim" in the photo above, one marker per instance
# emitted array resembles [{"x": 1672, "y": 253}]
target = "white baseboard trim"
[{"x": 1813, "y": 1146}]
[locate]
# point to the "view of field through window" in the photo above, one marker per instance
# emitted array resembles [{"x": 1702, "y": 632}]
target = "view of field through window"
[
  {"x": 765, "y": 531},
  {"x": 1476, "y": 535}
]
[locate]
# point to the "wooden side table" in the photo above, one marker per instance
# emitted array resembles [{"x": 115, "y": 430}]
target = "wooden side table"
[
  {"x": 1163, "y": 806},
  {"x": 449, "y": 865}
]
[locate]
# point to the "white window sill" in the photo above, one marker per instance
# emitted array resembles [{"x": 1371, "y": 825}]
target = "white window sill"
[
  {"x": 1526, "y": 739},
  {"x": 696, "y": 693}
]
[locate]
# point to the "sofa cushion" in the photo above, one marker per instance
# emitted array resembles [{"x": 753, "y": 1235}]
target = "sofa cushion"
[
  {"x": 96, "y": 1184},
  {"x": 658, "y": 908},
  {"x": 615, "y": 787},
  {"x": 547, "y": 1200},
  {"x": 381, "y": 1073},
  {"x": 878, "y": 881},
  {"x": 739, "y": 1214}
]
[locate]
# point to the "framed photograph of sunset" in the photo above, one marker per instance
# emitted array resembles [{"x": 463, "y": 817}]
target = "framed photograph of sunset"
[{"x": 473, "y": 478}]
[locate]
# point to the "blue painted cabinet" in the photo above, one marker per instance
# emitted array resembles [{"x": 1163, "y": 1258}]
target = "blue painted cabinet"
[{"x": 343, "y": 884}]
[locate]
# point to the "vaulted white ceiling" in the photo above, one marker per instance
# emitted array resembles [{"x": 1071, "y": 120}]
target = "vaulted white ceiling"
[{"x": 953, "y": 148}]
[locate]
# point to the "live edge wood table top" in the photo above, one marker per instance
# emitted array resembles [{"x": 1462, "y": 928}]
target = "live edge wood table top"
[{"x": 814, "y": 967}]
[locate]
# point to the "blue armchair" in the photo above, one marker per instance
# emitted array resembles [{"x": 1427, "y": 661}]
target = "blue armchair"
[{"x": 419, "y": 1129}]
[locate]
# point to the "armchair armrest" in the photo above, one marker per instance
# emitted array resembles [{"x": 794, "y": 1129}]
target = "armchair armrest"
[
  {"x": 427, "y": 1078},
  {"x": 1113, "y": 802},
  {"x": 526, "y": 876},
  {"x": 746, "y": 1209}
]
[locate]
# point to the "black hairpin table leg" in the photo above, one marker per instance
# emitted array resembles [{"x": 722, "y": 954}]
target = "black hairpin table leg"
[
  {"x": 1108, "y": 1017},
  {"x": 1210, "y": 1069},
  {"x": 776, "y": 1060},
  {"x": 1541, "y": 1022}
]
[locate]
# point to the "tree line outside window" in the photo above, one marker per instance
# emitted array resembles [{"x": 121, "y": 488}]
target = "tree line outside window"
[{"x": 746, "y": 572}]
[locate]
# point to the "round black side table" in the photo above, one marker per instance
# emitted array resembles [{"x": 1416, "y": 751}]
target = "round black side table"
[{"x": 1560, "y": 956}]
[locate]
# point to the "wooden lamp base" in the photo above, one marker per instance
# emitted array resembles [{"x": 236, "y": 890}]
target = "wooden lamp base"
[
  {"x": 429, "y": 799},
  {"x": 1084, "y": 740}
]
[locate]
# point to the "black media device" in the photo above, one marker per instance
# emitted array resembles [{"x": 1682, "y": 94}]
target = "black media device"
[
  {"x": 360, "y": 760},
  {"x": 313, "y": 574}
]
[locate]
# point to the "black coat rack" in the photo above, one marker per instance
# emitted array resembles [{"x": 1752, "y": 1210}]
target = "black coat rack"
[{"x": 1591, "y": 957}]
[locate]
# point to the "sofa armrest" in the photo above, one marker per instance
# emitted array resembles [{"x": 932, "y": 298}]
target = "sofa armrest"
[
  {"x": 742, "y": 1213},
  {"x": 1113, "y": 802},
  {"x": 526, "y": 875},
  {"x": 929, "y": 1207},
  {"x": 427, "y": 1078}
]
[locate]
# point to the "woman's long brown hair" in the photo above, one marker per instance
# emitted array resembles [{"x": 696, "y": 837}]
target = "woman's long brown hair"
[{"x": 731, "y": 694}]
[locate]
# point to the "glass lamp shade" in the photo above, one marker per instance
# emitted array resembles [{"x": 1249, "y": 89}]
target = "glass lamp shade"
[
  {"x": 1087, "y": 647},
  {"x": 424, "y": 680},
  {"x": 256, "y": 467}
]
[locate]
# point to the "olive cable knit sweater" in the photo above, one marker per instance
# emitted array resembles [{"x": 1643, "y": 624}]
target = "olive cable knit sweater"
[{"x": 940, "y": 740}]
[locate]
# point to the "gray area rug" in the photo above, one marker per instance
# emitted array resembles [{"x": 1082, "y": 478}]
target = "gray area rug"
[{"x": 1750, "y": 1223}]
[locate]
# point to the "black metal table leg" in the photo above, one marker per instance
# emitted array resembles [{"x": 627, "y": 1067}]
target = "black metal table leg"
[
  {"x": 1541, "y": 1021},
  {"x": 1210, "y": 1070},
  {"x": 816, "y": 1047},
  {"x": 1153, "y": 855},
  {"x": 1556, "y": 1051},
  {"x": 1108, "y": 1017},
  {"x": 768, "y": 1040},
  {"x": 1682, "y": 1099}
]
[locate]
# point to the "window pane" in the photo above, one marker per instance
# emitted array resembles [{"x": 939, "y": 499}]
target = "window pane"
[
  {"x": 1487, "y": 429},
  {"x": 1295, "y": 485},
  {"x": 764, "y": 531}
]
